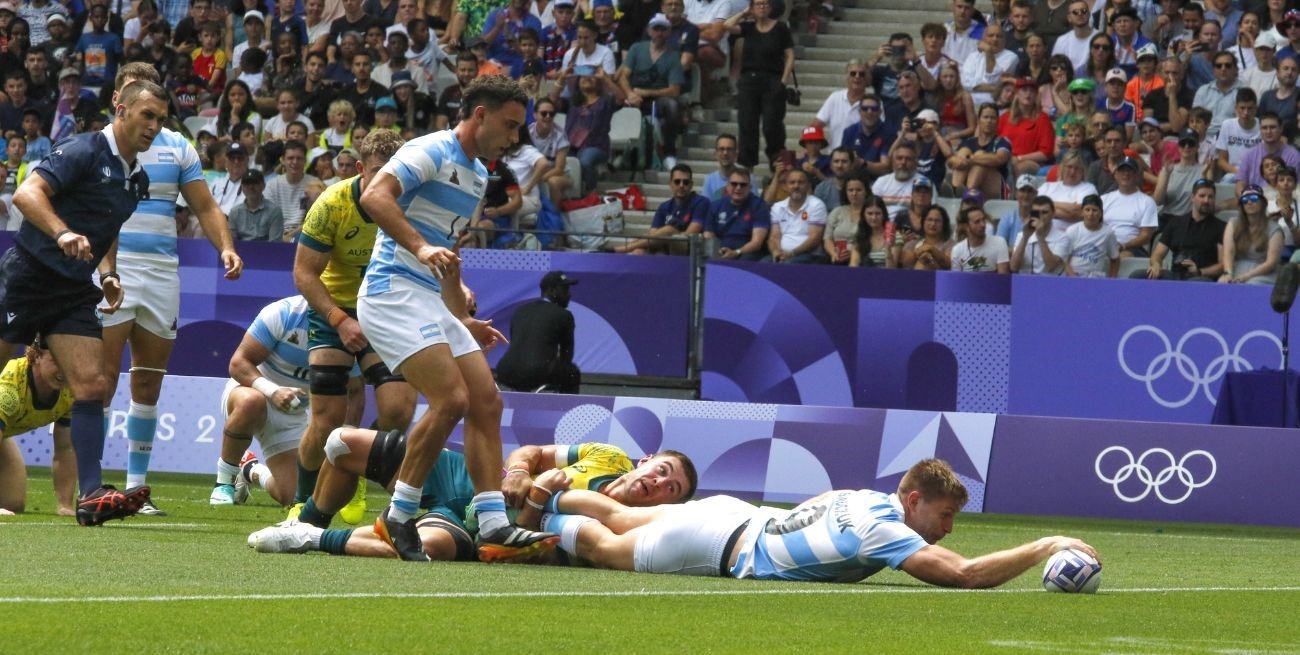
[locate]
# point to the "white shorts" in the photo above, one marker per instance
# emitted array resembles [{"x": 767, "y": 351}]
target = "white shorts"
[
  {"x": 409, "y": 318},
  {"x": 690, "y": 538},
  {"x": 281, "y": 432},
  {"x": 151, "y": 297}
]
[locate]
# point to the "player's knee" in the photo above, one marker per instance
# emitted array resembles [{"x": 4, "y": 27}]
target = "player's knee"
[
  {"x": 90, "y": 386},
  {"x": 246, "y": 404},
  {"x": 335, "y": 446},
  {"x": 487, "y": 404},
  {"x": 329, "y": 380},
  {"x": 452, "y": 404}
]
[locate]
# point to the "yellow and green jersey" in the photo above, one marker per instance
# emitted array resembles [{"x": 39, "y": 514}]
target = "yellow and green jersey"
[
  {"x": 593, "y": 465},
  {"x": 20, "y": 410},
  {"x": 337, "y": 225}
]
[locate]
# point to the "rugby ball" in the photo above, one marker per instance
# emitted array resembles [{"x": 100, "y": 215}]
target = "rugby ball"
[{"x": 1072, "y": 571}]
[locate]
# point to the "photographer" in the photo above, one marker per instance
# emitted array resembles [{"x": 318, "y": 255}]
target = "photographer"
[
  {"x": 1041, "y": 247},
  {"x": 1194, "y": 241}
]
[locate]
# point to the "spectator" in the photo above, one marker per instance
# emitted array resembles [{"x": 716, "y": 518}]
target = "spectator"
[
  {"x": 287, "y": 22},
  {"x": 317, "y": 90},
  {"x": 320, "y": 162},
  {"x": 1229, "y": 19},
  {"x": 651, "y": 78},
  {"x": 503, "y": 26},
  {"x": 739, "y": 221},
  {"x": 339, "y": 134},
  {"x": 364, "y": 91},
  {"x": 318, "y": 29},
  {"x": 501, "y": 201},
  {"x": 1052, "y": 18},
  {"x": 37, "y": 14},
  {"x": 1101, "y": 61},
  {"x": 1194, "y": 240},
  {"x": 1068, "y": 192},
  {"x": 530, "y": 168},
  {"x": 840, "y": 110},
  {"x": 187, "y": 90},
  {"x": 956, "y": 109},
  {"x": 1121, "y": 111},
  {"x": 1130, "y": 212},
  {"x": 931, "y": 252},
  {"x": 602, "y": 14},
  {"x": 1220, "y": 97},
  {"x": 767, "y": 65},
  {"x": 1282, "y": 99},
  {"x": 558, "y": 37},
  {"x": 716, "y": 184},
  {"x": 1177, "y": 182},
  {"x": 235, "y": 106},
  {"x": 41, "y": 87},
  {"x": 415, "y": 110},
  {"x": 550, "y": 140},
  {"x": 684, "y": 213},
  {"x": 1161, "y": 27},
  {"x": 1028, "y": 129},
  {"x": 287, "y": 104},
  {"x": 339, "y": 69},
  {"x": 842, "y": 223},
  {"x": 1054, "y": 94},
  {"x": 1101, "y": 173},
  {"x": 683, "y": 36},
  {"x": 1008, "y": 226},
  {"x": 814, "y": 161},
  {"x": 1020, "y": 26},
  {"x": 798, "y": 223},
  {"x": 1126, "y": 38},
  {"x": 964, "y": 34},
  {"x": 60, "y": 47},
  {"x": 932, "y": 150},
  {"x": 1080, "y": 108},
  {"x": 253, "y": 26},
  {"x": 981, "y": 160},
  {"x": 982, "y": 71},
  {"x": 541, "y": 348},
  {"x": 255, "y": 219},
  {"x": 873, "y": 243},
  {"x": 587, "y": 120},
  {"x": 1077, "y": 43},
  {"x": 1252, "y": 245},
  {"x": 1172, "y": 101},
  {"x": 1271, "y": 142},
  {"x": 397, "y": 44},
  {"x": 15, "y": 102},
  {"x": 529, "y": 63},
  {"x": 354, "y": 19},
  {"x": 910, "y": 223},
  {"x": 1284, "y": 208},
  {"x": 1237, "y": 135},
  {"x": 896, "y": 189},
  {"x": 450, "y": 100},
  {"x": 587, "y": 52},
  {"x": 426, "y": 53},
  {"x": 889, "y": 61},
  {"x": 227, "y": 189},
  {"x": 909, "y": 103},
  {"x": 1261, "y": 76},
  {"x": 871, "y": 137},
  {"x": 1202, "y": 54},
  {"x": 1041, "y": 246},
  {"x": 979, "y": 252},
  {"x": 932, "y": 59},
  {"x": 1091, "y": 248},
  {"x": 209, "y": 59},
  {"x": 38, "y": 145},
  {"x": 286, "y": 190},
  {"x": 1153, "y": 148},
  {"x": 831, "y": 190},
  {"x": 1145, "y": 79}
]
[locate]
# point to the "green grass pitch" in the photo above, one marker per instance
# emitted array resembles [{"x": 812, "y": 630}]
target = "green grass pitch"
[{"x": 187, "y": 583}]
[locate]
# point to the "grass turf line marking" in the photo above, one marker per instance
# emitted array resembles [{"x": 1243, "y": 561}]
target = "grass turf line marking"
[
  {"x": 73, "y": 524},
  {"x": 599, "y": 594},
  {"x": 1147, "y": 533}
]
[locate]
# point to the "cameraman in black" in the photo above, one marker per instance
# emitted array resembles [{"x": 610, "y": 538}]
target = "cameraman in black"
[
  {"x": 541, "y": 342},
  {"x": 1194, "y": 240}
]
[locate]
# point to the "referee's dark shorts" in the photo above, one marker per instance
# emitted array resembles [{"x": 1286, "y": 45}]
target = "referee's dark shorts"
[{"x": 36, "y": 299}]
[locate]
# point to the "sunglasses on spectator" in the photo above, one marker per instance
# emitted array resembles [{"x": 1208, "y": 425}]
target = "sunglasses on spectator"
[
  {"x": 1079, "y": 12},
  {"x": 738, "y": 185},
  {"x": 872, "y": 108},
  {"x": 682, "y": 182},
  {"x": 546, "y": 114},
  {"x": 1203, "y": 183},
  {"x": 1252, "y": 197},
  {"x": 857, "y": 73},
  {"x": 1225, "y": 64}
]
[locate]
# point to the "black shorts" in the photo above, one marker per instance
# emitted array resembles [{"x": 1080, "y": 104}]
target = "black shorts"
[{"x": 35, "y": 299}]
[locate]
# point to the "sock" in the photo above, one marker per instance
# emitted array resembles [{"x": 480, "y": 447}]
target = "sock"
[
  {"x": 406, "y": 502},
  {"x": 226, "y": 471},
  {"x": 331, "y": 541},
  {"x": 567, "y": 526},
  {"x": 306, "y": 484},
  {"x": 141, "y": 424},
  {"x": 490, "y": 508},
  {"x": 262, "y": 474},
  {"x": 88, "y": 443},
  {"x": 552, "y": 504},
  {"x": 312, "y": 514}
]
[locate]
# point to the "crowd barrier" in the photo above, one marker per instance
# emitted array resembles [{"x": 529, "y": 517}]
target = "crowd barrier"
[{"x": 788, "y": 453}]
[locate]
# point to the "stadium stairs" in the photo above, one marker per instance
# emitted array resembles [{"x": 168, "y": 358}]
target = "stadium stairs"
[{"x": 819, "y": 64}]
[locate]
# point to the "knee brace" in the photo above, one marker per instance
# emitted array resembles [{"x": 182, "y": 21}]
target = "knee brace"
[
  {"x": 378, "y": 374},
  {"x": 327, "y": 380},
  {"x": 465, "y": 550},
  {"x": 386, "y": 455},
  {"x": 335, "y": 447}
]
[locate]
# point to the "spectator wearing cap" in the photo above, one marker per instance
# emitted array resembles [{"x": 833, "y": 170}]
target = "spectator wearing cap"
[
  {"x": 814, "y": 160},
  {"x": 1193, "y": 240},
  {"x": 1041, "y": 246},
  {"x": 932, "y": 149},
  {"x": 1176, "y": 184},
  {"x": 1127, "y": 39},
  {"x": 840, "y": 109},
  {"x": 354, "y": 19},
  {"x": 72, "y": 113},
  {"x": 1009, "y": 224},
  {"x": 37, "y": 13},
  {"x": 1146, "y": 78},
  {"x": 981, "y": 159},
  {"x": 1028, "y": 129},
  {"x": 254, "y": 25},
  {"x": 320, "y": 164},
  {"x": 1075, "y": 43},
  {"x": 540, "y": 351},
  {"x": 1237, "y": 135},
  {"x": 1262, "y": 76},
  {"x": 58, "y": 49},
  {"x": 982, "y": 70},
  {"x": 558, "y": 37},
  {"x": 651, "y": 78},
  {"x": 1252, "y": 243},
  {"x": 1219, "y": 97},
  {"x": 255, "y": 219},
  {"x": 602, "y": 14},
  {"x": 503, "y": 26},
  {"x": 1130, "y": 212},
  {"x": 1112, "y": 147},
  {"x": 386, "y": 115},
  {"x": 896, "y": 188},
  {"x": 1282, "y": 100},
  {"x": 1271, "y": 142},
  {"x": 415, "y": 110},
  {"x": 99, "y": 50},
  {"x": 1080, "y": 91},
  {"x": 1153, "y": 148},
  {"x": 227, "y": 189},
  {"x": 1121, "y": 111},
  {"x": 1091, "y": 247},
  {"x": 364, "y": 92},
  {"x": 871, "y": 137}
]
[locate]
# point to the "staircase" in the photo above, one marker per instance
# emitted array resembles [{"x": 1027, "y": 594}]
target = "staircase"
[{"x": 819, "y": 63}]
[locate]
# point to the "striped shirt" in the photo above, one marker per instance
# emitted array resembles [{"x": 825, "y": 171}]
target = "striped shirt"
[
  {"x": 441, "y": 189},
  {"x": 281, "y": 328},
  {"x": 148, "y": 238}
]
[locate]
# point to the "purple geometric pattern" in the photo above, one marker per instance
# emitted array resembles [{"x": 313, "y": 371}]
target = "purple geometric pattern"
[{"x": 980, "y": 336}]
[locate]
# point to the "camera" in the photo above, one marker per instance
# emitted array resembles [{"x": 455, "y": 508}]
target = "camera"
[{"x": 897, "y": 50}]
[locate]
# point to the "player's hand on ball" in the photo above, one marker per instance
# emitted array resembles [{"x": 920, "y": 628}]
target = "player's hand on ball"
[
  {"x": 76, "y": 246},
  {"x": 487, "y": 336},
  {"x": 286, "y": 399},
  {"x": 1060, "y": 543},
  {"x": 112, "y": 294}
]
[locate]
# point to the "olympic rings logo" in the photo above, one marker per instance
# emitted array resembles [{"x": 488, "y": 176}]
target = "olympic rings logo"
[
  {"x": 1200, "y": 379},
  {"x": 1173, "y": 472}
]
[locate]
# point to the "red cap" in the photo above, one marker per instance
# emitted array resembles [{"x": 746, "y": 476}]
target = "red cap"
[
  {"x": 812, "y": 133},
  {"x": 1026, "y": 83}
]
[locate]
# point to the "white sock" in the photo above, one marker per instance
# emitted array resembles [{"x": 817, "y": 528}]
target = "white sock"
[
  {"x": 490, "y": 508},
  {"x": 226, "y": 472},
  {"x": 406, "y": 502},
  {"x": 313, "y": 535},
  {"x": 567, "y": 526},
  {"x": 261, "y": 473}
]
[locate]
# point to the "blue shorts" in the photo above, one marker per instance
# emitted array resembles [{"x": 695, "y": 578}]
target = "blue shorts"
[{"x": 35, "y": 299}]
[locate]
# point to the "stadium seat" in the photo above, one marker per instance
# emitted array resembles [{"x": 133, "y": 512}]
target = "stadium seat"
[
  {"x": 210, "y": 112},
  {"x": 559, "y": 120},
  {"x": 572, "y": 170},
  {"x": 625, "y": 132},
  {"x": 1131, "y": 265},
  {"x": 1224, "y": 192},
  {"x": 193, "y": 124},
  {"x": 950, "y": 205},
  {"x": 1228, "y": 215},
  {"x": 996, "y": 209}
]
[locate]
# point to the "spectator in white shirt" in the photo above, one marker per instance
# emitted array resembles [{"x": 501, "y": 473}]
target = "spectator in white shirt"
[
  {"x": 1129, "y": 211},
  {"x": 979, "y": 252},
  {"x": 963, "y": 33},
  {"x": 1091, "y": 247},
  {"x": 840, "y": 109},
  {"x": 798, "y": 223},
  {"x": 982, "y": 71}
]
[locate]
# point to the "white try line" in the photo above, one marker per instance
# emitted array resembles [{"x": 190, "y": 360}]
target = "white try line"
[
  {"x": 1135, "y": 533},
  {"x": 835, "y": 591},
  {"x": 73, "y": 524}
]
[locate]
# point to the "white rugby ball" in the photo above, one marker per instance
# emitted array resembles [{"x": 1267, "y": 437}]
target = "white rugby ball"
[{"x": 1072, "y": 571}]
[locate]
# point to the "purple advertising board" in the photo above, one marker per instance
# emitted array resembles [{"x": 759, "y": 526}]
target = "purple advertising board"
[
  {"x": 632, "y": 313},
  {"x": 1151, "y": 471}
]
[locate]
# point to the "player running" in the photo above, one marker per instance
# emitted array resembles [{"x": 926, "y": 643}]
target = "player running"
[
  {"x": 74, "y": 206},
  {"x": 32, "y": 395},
  {"x": 839, "y": 536},
  {"x": 414, "y": 311},
  {"x": 665, "y": 477},
  {"x": 147, "y": 263},
  {"x": 334, "y": 248}
]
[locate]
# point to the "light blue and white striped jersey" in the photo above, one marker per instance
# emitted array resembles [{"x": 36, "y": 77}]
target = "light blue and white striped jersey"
[
  {"x": 149, "y": 236},
  {"x": 281, "y": 328},
  {"x": 441, "y": 188},
  {"x": 842, "y": 537}
]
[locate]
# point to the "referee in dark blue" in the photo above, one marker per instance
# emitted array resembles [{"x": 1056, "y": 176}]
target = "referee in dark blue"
[{"x": 74, "y": 206}]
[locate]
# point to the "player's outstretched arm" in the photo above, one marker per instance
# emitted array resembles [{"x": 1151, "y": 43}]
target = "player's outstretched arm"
[
  {"x": 615, "y": 515},
  {"x": 939, "y": 566}
]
